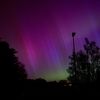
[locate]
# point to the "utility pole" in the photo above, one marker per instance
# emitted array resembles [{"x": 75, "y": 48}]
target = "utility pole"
[{"x": 74, "y": 54}]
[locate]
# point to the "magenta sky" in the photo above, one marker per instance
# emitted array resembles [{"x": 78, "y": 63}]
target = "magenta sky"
[{"x": 41, "y": 32}]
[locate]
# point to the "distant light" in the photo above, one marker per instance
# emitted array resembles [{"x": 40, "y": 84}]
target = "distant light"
[{"x": 70, "y": 84}]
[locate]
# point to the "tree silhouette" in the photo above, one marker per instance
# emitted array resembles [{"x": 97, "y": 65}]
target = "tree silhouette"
[
  {"x": 10, "y": 67},
  {"x": 87, "y": 63}
]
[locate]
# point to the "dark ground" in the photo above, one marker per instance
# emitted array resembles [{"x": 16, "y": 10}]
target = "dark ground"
[{"x": 32, "y": 89}]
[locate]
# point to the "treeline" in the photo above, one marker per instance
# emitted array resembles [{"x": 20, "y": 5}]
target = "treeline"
[{"x": 84, "y": 74}]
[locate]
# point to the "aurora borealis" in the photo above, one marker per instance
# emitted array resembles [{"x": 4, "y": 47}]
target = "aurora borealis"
[{"x": 41, "y": 32}]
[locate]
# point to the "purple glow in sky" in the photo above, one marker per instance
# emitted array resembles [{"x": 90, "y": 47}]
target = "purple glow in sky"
[{"x": 41, "y": 32}]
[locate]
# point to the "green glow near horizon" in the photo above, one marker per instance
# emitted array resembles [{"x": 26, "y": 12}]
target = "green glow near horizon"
[{"x": 57, "y": 76}]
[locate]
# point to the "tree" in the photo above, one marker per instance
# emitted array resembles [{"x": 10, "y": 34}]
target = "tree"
[
  {"x": 87, "y": 63},
  {"x": 10, "y": 67}
]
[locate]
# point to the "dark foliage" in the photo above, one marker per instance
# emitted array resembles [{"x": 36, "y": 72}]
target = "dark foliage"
[
  {"x": 11, "y": 68},
  {"x": 87, "y": 63}
]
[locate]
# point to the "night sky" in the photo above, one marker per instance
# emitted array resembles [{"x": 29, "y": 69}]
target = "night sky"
[{"x": 41, "y": 32}]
